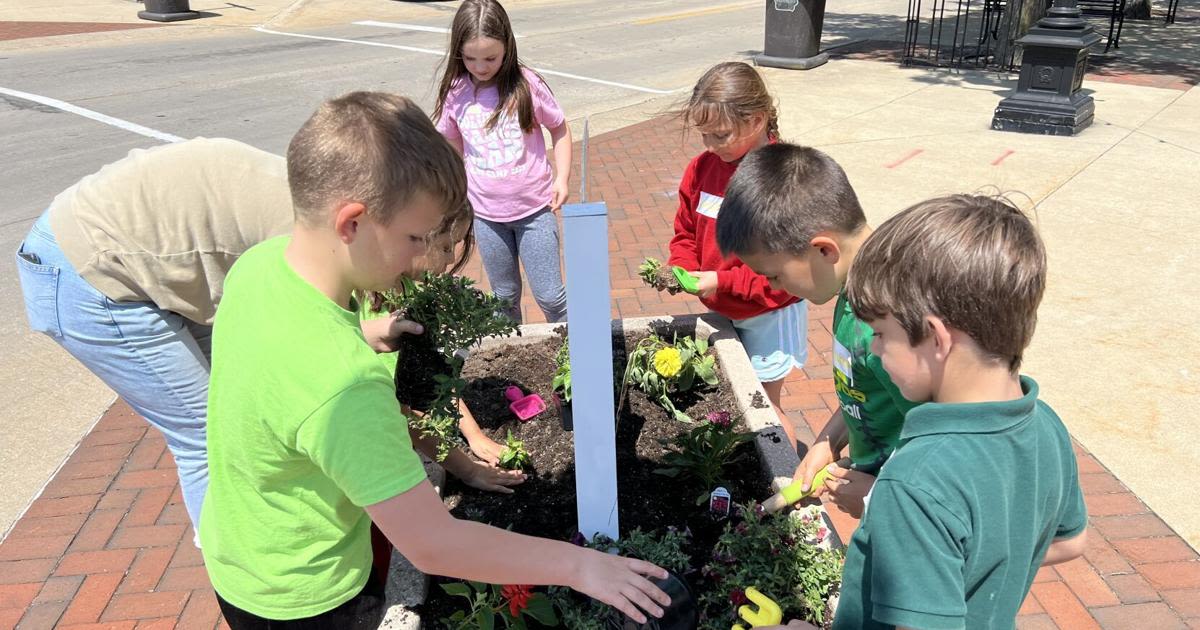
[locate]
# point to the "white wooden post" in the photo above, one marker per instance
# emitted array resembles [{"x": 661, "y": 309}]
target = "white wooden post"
[{"x": 585, "y": 247}]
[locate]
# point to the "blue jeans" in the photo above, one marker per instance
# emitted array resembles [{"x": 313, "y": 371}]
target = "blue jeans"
[
  {"x": 156, "y": 360},
  {"x": 533, "y": 240}
]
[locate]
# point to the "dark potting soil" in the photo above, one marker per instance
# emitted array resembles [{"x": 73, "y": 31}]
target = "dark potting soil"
[{"x": 545, "y": 504}]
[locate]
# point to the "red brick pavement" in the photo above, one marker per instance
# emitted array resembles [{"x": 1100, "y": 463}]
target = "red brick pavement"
[
  {"x": 26, "y": 30},
  {"x": 107, "y": 544}
]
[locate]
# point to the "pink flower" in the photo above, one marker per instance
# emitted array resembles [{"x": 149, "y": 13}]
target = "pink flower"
[
  {"x": 721, "y": 419},
  {"x": 738, "y": 597}
]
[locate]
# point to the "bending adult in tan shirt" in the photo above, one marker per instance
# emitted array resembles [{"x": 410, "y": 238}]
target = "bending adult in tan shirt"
[{"x": 125, "y": 268}]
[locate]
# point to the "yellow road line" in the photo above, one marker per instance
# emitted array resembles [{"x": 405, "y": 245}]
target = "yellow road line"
[{"x": 696, "y": 13}]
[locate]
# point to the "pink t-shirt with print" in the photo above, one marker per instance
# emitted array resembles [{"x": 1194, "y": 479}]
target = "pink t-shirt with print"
[{"x": 508, "y": 174}]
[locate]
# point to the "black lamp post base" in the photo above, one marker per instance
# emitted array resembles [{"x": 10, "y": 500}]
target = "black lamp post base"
[
  {"x": 1044, "y": 118},
  {"x": 167, "y": 11},
  {"x": 791, "y": 63}
]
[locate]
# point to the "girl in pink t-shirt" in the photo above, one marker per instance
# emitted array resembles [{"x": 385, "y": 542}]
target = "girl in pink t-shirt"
[{"x": 493, "y": 108}]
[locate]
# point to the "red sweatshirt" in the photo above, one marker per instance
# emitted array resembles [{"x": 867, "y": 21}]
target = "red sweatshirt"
[{"x": 741, "y": 293}]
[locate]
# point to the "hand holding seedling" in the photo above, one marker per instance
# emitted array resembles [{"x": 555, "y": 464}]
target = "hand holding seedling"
[
  {"x": 621, "y": 583},
  {"x": 491, "y": 479},
  {"x": 485, "y": 448},
  {"x": 848, "y": 489},
  {"x": 383, "y": 334}
]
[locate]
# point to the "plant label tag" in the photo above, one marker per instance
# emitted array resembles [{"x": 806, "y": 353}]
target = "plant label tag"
[{"x": 719, "y": 502}]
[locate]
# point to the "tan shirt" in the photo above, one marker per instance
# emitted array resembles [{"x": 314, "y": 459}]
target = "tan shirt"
[{"x": 165, "y": 224}]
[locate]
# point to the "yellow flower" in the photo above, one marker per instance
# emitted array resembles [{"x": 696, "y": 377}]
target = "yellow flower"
[{"x": 667, "y": 362}]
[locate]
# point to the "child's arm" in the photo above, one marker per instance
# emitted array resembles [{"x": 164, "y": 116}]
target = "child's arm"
[
  {"x": 419, "y": 526},
  {"x": 684, "y": 251},
  {"x": 1065, "y": 549},
  {"x": 481, "y": 445},
  {"x": 561, "y": 137},
  {"x": 824, "y": 450},
  {"x": 474, "y": 474}
]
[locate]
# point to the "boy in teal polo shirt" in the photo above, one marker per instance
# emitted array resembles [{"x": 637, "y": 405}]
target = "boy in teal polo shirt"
[
  {"x": 791, "y": 215},
  {"x": 983, "y": 488},
  {"x": 307, "y": 443}
]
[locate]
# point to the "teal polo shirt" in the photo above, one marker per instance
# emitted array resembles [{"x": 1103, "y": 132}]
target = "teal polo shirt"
[{"x": 961, "y": 517}]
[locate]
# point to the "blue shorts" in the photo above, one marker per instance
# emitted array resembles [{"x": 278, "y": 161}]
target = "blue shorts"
[{"x": 776, "y": 341}]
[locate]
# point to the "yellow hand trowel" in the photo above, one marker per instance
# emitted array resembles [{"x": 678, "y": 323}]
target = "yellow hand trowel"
[{"x": 765, "y": 612}]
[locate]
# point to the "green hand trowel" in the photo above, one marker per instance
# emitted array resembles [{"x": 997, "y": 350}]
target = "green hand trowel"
[{"x": 690, "y": 283}]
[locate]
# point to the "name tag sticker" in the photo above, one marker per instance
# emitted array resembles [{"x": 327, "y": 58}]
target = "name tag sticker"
[
  {"x": 841, "y": 361},
  {"x": 709, "y": 205}
]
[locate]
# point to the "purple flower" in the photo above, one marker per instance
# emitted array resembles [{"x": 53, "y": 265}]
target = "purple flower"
[
  {"x": 721, "y": 419},
  {"x": 738, "y": 597},
  {"x": 741, "y": 528},
  {"x": 579, "y": 539}
]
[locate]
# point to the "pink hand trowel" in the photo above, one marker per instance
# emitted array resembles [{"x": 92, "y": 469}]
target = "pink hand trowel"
[{"x": 523, "y": 407}]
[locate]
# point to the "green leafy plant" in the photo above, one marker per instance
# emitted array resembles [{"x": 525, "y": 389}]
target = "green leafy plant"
[
  {"x": 562, "y": 371},
  {"x": 455, "y": 316},
  {"x": 653, "y": 273},
  {"x": 660, "y": 369},
  {"x": 512, "y": 604},
  {"x": 703, "y": 453},
  {"x": 514, "y": 456},
  {"x": 785, "y": 556}
]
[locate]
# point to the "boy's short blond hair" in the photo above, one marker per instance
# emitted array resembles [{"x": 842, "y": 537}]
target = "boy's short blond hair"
[
  {"x": 974, "y": 261},
  {"x": 373, "y": 148}
]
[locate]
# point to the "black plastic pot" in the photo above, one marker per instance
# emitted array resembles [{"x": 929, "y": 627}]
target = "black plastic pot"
[
  {"x": 419, "y": 363},
  {"x": 682, "y": 614},
  {"x": 564, "y": 412}
]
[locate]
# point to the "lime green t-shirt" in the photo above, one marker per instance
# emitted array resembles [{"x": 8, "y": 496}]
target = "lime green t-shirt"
[
  {"x": 303, "y": 431},
  {"x": 872, "y": 405},
  {"x": 961, "y": 517}
]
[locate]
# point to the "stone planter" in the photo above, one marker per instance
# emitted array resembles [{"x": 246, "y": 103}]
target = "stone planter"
[{"x": 776, "y": 460}]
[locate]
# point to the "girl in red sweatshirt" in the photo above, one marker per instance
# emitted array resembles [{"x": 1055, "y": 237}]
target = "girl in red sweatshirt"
[{"x": 735, "y": 114}]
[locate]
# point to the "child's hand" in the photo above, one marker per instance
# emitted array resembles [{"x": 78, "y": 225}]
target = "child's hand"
[
  {"x": 483, "y": 477},
  {"x": 485, "y": 448},
  {"x": 618, "y": 582},
  {"x": 706, "y": 282},
  {"x": 383, "y": 334},
  {"x": 561, "y": 193},
  {"x": 819, "y": 456},
  {"x": 848, "y": 489}
]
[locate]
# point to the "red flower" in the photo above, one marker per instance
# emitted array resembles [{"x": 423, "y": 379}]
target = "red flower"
[
  {"x": 738, "y": 597},
  {"x": 518, "y": 597}
]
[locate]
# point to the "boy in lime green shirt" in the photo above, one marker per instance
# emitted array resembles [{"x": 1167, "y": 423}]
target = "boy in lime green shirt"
[
  {"x": 984, "y": 488},
  {"x": 307, "y": 443},
  {"x": 791, "y": 215}
]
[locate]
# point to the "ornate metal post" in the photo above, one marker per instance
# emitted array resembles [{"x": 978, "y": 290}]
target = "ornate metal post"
[{"x": 1048, "y": 99}]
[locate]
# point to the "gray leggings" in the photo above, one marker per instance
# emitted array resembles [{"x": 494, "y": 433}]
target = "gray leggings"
[{"x": 534, "y": 239}]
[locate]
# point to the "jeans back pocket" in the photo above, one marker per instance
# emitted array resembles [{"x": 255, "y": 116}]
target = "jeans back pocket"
[{"x": 39, "y": 286}]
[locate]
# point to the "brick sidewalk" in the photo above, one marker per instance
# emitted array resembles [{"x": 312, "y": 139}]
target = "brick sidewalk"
[
  {"x": 27, "y": 30},
  {"x": 107, "y": 544}
]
